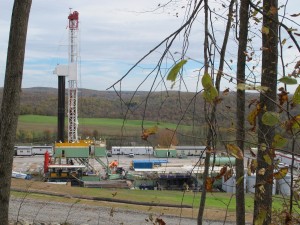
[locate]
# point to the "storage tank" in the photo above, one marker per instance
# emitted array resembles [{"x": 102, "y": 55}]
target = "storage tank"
[
  {"x": 221, "y": 161},
  {"x": 229, "y": 185},
  {"x": 284, "y": 185},
  {"x": 251, "y": 181}
]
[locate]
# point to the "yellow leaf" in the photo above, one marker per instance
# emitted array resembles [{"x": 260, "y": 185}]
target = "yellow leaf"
[
  {"x": 262, "y": 171},
  {"x": 265, "y": 30},
  {"x": 253, "y": 115},
  {"x": 235, "y": 151},
  {"x": 261, "y": 188},
  {"x": 149, "y": 131},
  {"x": 282, "y": 172},
  {"x": 253, "y": 165},
  {"x": 273, "y": 10},
  {"x": 249, "y": 171},
  {"x": 283, "y": 41},
  {"x": 268, "y": 159},
  {"x": 279, "y": 141},
  {"x": 239, "y": 180}
]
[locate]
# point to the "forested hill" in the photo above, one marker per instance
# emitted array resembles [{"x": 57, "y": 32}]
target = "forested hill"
[{"x": 156, "y": 106}]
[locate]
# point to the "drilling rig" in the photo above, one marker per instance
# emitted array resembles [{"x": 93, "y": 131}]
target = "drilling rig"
[
  {"x": 73, "y": 153},
  {"x": 69, "y": 71}
]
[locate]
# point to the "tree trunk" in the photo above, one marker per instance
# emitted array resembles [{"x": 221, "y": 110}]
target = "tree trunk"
[
  {"x": 211, "y": 119},
  {"x": 263, "y": 190},
  {"x": 240, "y": 113},
  {"x": 11, "y": 99},
  {"x": 210, "y": 135}
]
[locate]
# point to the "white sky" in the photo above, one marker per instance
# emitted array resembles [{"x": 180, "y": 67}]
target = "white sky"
[{"x": 113, "y": 36}]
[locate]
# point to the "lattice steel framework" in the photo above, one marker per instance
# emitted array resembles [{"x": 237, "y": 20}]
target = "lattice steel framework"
[{"x": 72, "y": 78}]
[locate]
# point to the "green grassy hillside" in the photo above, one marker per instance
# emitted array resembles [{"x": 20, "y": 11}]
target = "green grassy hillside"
[{"x": 32, "y": 128}]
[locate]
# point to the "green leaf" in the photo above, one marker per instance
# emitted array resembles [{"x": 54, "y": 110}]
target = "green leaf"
[
  {"x": 262, "y": 215},
  {"x": 210, "y": 94},
  {"x": 206, "y": 81},
  {"x": 270, "y": 118},
  {"x": 279, "y": 141},
  {"x": 263, "y": 147},
  {"x": 288, "y": 80},
  {"x": 296, "y": 97},
  {"x": 175, "y": 70}
]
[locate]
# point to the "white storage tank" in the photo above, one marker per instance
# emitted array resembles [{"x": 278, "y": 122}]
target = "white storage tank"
[
  {"x": 224, "y": 185},
  {"x": 229, "y": 185},
  {"x": 251, "y": 182},
  {"x": 284, "y": 185}
]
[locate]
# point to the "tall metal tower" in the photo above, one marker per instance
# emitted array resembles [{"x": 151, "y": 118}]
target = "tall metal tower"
[
  {"x": 72, "y": 78},
  {"x": 69, "y": 71}
]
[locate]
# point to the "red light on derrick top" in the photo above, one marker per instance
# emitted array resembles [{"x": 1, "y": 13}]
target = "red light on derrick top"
[{"x": 73, "y": 20}]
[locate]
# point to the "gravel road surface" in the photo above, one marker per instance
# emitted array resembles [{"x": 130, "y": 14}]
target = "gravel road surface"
[{"x": 40, "y": 211}]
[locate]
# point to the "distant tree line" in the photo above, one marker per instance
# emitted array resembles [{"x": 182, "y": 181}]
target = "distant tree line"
[{"x": 161, "y": 107}]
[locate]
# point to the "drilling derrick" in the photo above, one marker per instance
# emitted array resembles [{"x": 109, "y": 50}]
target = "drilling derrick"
[
  {"x": 69, "y": 71},
  {"x": 72, "y": 78},
  {"x": 73, "y": 152}
]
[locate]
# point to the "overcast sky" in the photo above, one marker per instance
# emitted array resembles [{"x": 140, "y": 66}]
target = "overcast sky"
[{"x": 114, "y": 35}]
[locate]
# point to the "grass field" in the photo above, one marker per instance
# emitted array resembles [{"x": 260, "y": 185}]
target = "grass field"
[
  {"x": 214, "y": 200},
  {"x": 102, "y": 125}
]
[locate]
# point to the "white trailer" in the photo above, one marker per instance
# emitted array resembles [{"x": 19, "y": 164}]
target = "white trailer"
[
  {"x": 136, "y": 150},
  {"x": 23, "y": 151},
  {"x": 41, "y": 150},
  {"x": 191, "y": 150},
  {"x": 287, "y": 159}
]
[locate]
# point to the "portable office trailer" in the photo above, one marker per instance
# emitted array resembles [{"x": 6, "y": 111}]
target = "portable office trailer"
[
  {"x": 41, "y": 150},
  {"x": 165, "y": 153},
  {"x": 137, "y": 150},
  {"x": 23, "y": 150},
  {"x": 191, "y": 150},
  {"x": 288, "y": 159}
]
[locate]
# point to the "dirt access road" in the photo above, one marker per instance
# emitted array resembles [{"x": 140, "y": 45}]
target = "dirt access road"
[{"x": 39, "y": 211}]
